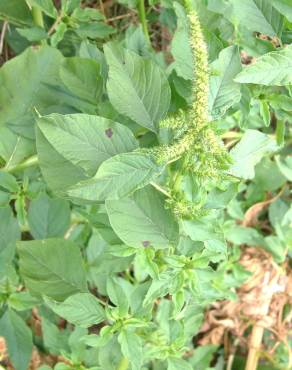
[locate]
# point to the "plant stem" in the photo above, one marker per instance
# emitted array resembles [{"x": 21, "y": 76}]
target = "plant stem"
[
  {"x": 38, "y": 20},
  {"x": 254, "y": 348},
  {"x": 159, "y": 188},
  {"x": 29, "y": 162},
  {"x": 37, "y": 16},
  {"x": 143, "y": 20},
  {"x": 232, "y": 356},
  {"x": 55, "y": 24},
  {"x": 2, "y": 37},
  {"x": 124, "y": 364},
  {"x": 232, "y": 135}
]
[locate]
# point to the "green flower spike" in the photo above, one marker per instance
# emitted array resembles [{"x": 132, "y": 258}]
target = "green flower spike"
[{"x": 195, "y": 142}]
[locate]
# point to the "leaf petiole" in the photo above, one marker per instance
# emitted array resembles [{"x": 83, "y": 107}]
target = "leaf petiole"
[{"x": 29, "y": 162}]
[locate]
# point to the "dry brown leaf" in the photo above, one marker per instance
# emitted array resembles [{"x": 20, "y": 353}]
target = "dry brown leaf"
[{"x": 251, "y": 215}]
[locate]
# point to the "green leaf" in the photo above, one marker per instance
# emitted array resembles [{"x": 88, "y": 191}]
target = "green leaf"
[
  {"x": 21, "y": 301},
  {"x": 55, "y": 340},
  {"x": 81, "y": 309},
  {"x": 39, "y": 88},
  {"x": 253, "y": 146},
  {"x": 272, "y": 69},
  {"x": 276, "y": 247},
  {"x": 285, "y": 166},
  {"x": 47, "y": 6},
  {"x": 118, "y": 177},
  {"x": 136, "y": 41},
  {"x": 52, "y": 266},
  {"x": 82, "y": 77},
  {"x": 144, "y": 262},
  {"x": 263, "y": 180},
  {"x": 33, "y": 34},
  {"x": 9, "y": 234},
  {"x": 180, "y": 47},
  {"x": 87, "y": 14},
  {"x": 16, "y": 12},
  {"x": 265, "y": 112},
  {"x": 158, "y": 288},
  {"x": 224, "y": 92},
  {"x": 72, "y": 147},
  {"x": 14, "y": 148},
  {"x": 258, "y": 15},
  {"x": 284, "y": 7},
  {"x": 131, "y": 346},
  {"x": 9, "y": 228},
  {"x": 202, "y": 357},
  {"x": 8, "y": 182},
  {"x": 18, "y": 338},
  {"x": 59, "y": 34},
  {"x": 137, "y": 87},
  {"x": 48, "y": 217},
  {"x": 220, "y": 197},
  {"x": 110, "y": 355},
  {"x": 68, "y": 6},
  {"x": 4, "y": 198},
  {"x": 142, "y": 220},
  {"x": 178, "y": 364},
  {"x": 94, "y": 30},
  {"x": 239, "y": 235},
  {"x": 204, "y": 229},
  {"x": 117, "y": 295},
  {"x": 280, "y": 132}
]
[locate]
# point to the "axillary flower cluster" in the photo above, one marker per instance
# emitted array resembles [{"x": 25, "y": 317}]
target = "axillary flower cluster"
[{"x": 201, "y": 153}]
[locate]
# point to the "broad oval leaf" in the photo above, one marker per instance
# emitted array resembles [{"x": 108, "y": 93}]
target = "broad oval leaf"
[
  {"x": 117, "y": 295},
  {"x": 142, "y": 220},
  {"x": 9, "y": 234},
  {"x": 72, "y": 147},
  {"x": 39, "y": 88},
  {"x": 249, "y": 151},
  {"x": 284, "y": 7},
  {"x": 33, "y": 34},
  {"x": 52, "y": 266},
  {"x": 48, "y": 217},
  {"x": 8, "y": 182},
  {"x": 180, "y": 44},
  {"x": 9, "y": 228},
  {"x": 16, "y": 12},
  {"x": 131, "y": 346},
  {"x": 18, "y": 338},
  {"x": 285, "y": 166},
  {"x": 118, "y": 177},
  {"x": 180, "y": 47},
  {"x": 137, "y": 87},
  {"x": 47, "y": 6},
  {"x": 81, "y": 309},
  {"x": 258, "y": 15},
  {"x": 175, "y": 363},
  {"x": 82, "y": 77},
  {"x": 224, "y": 92},
  {"x": 272, "y": 69}
]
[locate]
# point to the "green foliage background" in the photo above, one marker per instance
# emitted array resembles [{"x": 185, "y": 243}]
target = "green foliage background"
[{"x": 93, "y": 228}]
